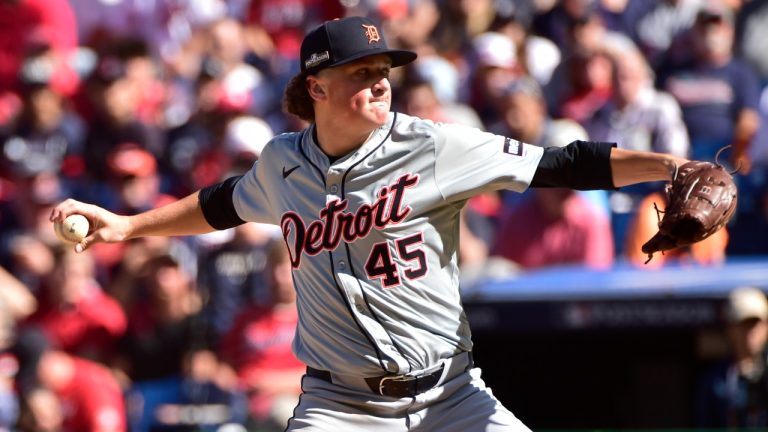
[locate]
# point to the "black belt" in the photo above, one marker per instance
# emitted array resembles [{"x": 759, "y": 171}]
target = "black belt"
[{"x": 397, "y": 386}]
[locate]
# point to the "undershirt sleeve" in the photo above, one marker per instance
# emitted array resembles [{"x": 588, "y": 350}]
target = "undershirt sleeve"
[
  {"x": 218, "y": 206},
  {"x": 581, "y": 165}
]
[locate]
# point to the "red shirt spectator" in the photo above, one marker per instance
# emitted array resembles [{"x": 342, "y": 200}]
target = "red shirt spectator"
[
  {"x": 592, "y": 86},
  {"x": 556, "y": 227},
  {"x": 261, "y": 339},
  {"x": 287, "y": 20},
  {"x": 75, "y": 314},
  {"x": 88, "y": 327},
  {"x": 258, "y": 345},
  {"x": 27, "y": 22},
  {"x": 90, "y": 397}
]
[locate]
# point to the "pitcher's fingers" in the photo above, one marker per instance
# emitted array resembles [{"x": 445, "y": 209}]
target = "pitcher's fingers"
[
  {"x": 85, "y": 243},
  {"x": 71, "y": 206},
  {"x": 63, "y": 209}
]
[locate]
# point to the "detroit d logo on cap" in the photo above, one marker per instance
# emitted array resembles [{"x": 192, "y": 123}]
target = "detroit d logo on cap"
[{"x": 372, "y": 33}]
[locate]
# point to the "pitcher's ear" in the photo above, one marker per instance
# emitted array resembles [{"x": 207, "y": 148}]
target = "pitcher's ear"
[{"x": 315, "y": 89}]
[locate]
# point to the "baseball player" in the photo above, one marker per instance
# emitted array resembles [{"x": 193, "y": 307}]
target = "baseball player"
[{"x": 368, "y": 202}]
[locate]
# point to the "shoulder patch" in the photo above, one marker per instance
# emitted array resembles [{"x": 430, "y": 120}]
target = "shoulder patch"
[{"x": 513, "y": 147}]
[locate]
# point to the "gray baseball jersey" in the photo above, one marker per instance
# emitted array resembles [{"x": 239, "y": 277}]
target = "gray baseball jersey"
[{"x": 373, "y": 237}]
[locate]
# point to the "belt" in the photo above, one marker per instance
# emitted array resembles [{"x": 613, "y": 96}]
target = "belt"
[{"x": 400, "y": 386}]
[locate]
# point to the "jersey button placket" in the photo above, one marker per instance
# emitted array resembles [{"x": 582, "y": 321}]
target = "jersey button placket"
[{"x": 333, "y": 179}]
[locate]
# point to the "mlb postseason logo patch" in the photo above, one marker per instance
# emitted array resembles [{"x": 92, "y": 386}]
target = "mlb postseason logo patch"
[
  {"x": 513, "y": 147},
  {"x": 316, "y": 58}
]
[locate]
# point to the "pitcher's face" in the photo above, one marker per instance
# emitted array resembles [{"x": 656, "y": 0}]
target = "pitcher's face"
[{"x": 358, "y": 93}]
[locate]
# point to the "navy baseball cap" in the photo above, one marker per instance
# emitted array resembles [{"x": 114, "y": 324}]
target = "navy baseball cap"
[{"x": 345, "y": 40}]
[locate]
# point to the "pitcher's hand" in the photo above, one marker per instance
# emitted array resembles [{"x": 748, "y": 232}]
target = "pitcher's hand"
[{"x": 105, "y": 226}]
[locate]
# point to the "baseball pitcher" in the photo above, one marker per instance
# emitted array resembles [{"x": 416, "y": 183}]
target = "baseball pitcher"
[{"x": 368, "y": 202}]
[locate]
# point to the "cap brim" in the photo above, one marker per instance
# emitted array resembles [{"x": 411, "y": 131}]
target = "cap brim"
[{"x": 399, "y": 58}]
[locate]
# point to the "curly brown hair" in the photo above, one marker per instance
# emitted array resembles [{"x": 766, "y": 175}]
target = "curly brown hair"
[{"x": 297, "y": 100}]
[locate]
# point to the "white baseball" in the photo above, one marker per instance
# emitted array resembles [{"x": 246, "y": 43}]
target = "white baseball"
[{"x": 73, "y": 229}]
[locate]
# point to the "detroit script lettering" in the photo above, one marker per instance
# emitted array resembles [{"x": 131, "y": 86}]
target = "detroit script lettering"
[{"x": 335, "y": 224}]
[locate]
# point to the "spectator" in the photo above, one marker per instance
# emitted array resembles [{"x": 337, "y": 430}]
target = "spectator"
[
  {"x": 752, "y": 220},
  {"x": 122, "y": 284},
  {"x": 751, "y": 43},
  {"x": 143, "y": 72},
  {"x": 658, "y": 29},
  {"x": 525, "y": 118},
  {"x": 36, "y": 185},
  {"x": 418, "y": 98},
  {"x": 242, "y": 86},
  {"x": 538, "y": 56},
  {"x": 115, "y": 117},
  {"x": 88, "y": 394},
  {"x": 733, "y": 394},
  {"x": 40, "y": 411},
  {"x": 717, "y": 92},
  {"x": 413, "y": 28},
  {"x": 587, "y": 38},
  {"x": 65, "y": 393},
  {"x": 135, "y": 180},
  {"x": 25, "y": 235},
  {"x": 285, "y": 22},
  {"x": 164, "y": 25},
  {"x": 259, "y": 347},
  {"x": 460, "y": 22},
  {"x": 591, "y": 86},
  {"x": 25, "y": 24},
  {"x": 30, "y": 259},
  {"x": 47, "y": 134},
  {"x": 554, "y": 226},
  {"x": 232, "y": 274},
  {"x": 554, "y": 24},
  {"x": 440, "y": 73},
  {"x": 165, "y": 323},
  {"x": 244, "y": 138},
  {"x": 495, "y": 65},
  {"x": 749, "y": 230},
  {"x": 195, "y": 151},
  {"x": 231, "y": 270},
  {"x": 524, "y": 113},
  {"x": 74, "y": 313},
  {"x": 276, "y": 28},
  {"x": 16, "y": 303},
  {"x": 198, "y": 399},
  {"x": 637, "y": 117},
  {"x": 193, "y": 144},
  {"x": 165, "y": 360}
]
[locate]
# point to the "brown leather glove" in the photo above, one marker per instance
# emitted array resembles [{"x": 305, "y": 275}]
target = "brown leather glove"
[{"x": 701, "y": 200}]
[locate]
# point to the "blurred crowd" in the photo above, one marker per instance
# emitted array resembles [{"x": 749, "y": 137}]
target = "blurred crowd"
[{"x": 130, "y": 104}]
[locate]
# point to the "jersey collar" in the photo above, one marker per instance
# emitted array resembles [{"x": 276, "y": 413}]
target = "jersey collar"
[{"x": 317, "y": 156}]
